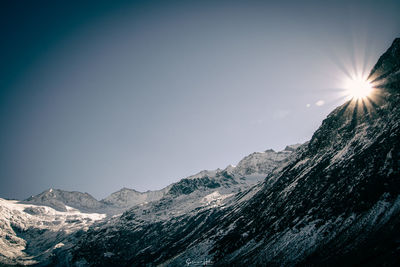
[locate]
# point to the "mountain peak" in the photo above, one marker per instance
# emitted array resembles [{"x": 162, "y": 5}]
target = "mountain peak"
[
  {"x": 59, "y": 199},
  {"x": 292, "y": 147},
  {"x": 127, "y": 189}
]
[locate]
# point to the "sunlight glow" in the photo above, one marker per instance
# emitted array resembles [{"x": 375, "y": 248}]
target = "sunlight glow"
[{"x": 358, "y": 88}]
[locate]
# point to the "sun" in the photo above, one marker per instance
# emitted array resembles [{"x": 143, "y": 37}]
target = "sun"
[{"x": 358, "y": 88}]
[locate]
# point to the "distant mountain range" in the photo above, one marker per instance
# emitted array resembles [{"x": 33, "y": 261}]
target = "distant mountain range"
[
  {"x": 249, "y": 171},
  {"x": 332, "y": 201},
  {"x": 33, "y": 228}
]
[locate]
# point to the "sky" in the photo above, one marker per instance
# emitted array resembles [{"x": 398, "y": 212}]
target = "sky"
[{"x": 100, "y": 95}]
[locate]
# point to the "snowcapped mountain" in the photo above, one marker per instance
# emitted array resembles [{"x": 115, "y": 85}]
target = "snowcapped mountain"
[
  {"x": 249, "y": 170},
  {"x": 126, "y": 197},
  {"x": 334, "y": 201},
  {"x": 256, "y": 165},
  {"x": 206, "y": 188},
  {"x": 29, "y": 234},
  {"x": 59, "y": 200},
  {"x": 34, "y": 229}
]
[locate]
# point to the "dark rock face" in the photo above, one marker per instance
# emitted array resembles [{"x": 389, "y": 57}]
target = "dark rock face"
[
  {"x": 388, "y": 65},
  {"x": 187, "y": 186},
  {"x": 337, "y": 201}
]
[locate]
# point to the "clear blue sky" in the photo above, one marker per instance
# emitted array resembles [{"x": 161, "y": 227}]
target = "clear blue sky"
[{"x": 100, "y": 95}]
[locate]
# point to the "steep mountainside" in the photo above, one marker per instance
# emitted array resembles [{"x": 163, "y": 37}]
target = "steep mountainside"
[{"x": 336, "y": 201}]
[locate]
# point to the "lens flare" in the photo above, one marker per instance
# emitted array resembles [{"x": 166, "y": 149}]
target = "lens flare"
[{"x": 358, "y": 88}]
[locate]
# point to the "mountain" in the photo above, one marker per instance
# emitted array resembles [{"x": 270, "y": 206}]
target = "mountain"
[
  {"x": 334, "y": 201},
  {"x": 126, "y": 197},
  {"x": 256, "y": 165},
  {"x": 251, "y": 169},
  {"x": 30, "y": 233},
  {"x": 60, "y": 200},
  {"x": 33, "y": 230},
  {"x": 209, "y": 188}
]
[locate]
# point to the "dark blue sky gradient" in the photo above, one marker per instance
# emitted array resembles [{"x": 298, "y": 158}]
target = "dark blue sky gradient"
[{"x": 98, "y": 95}]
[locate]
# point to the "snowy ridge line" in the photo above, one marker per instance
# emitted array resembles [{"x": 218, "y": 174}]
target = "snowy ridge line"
[{"x": 249, "y": 171}]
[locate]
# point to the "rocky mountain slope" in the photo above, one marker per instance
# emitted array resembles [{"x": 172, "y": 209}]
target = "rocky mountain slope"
[
  {"x": 31, "y": 231},
  {"x": 336, "y": 201}
]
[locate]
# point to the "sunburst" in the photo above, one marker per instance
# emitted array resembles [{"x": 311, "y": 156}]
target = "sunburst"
[{"x": 358, "y": 88}]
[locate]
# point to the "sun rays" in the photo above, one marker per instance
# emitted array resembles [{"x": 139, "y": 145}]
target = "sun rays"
[
  {"x": 354, "y": 86},
  {"x": 362, "y": 97},
  {"x": 361, "y": 92},
  {"x": 358, "y": 88}
]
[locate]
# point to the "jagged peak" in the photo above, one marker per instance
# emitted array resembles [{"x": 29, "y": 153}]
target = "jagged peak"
[
  {"x": 127, "y": 189},
  {"x": 58, "y": 193},
  {"x": 292, "y": 147},
  {"x": 204, "y": 173}
]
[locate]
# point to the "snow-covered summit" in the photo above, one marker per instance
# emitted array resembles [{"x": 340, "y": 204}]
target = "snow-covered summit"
[
  {"x": 257, "y": 163},
  {"x": 59, "y": 199},
  {"x": 251, "y": 169},
  {"x": 260, "y": 164},
  {"x": 127, "y": 197}
]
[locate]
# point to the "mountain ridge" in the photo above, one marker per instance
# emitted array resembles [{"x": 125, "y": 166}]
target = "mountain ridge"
[
  {"x": 335, "y": 201},
  {"x": 125, "y": 198},
  {"x": 63, "y": 216}
]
